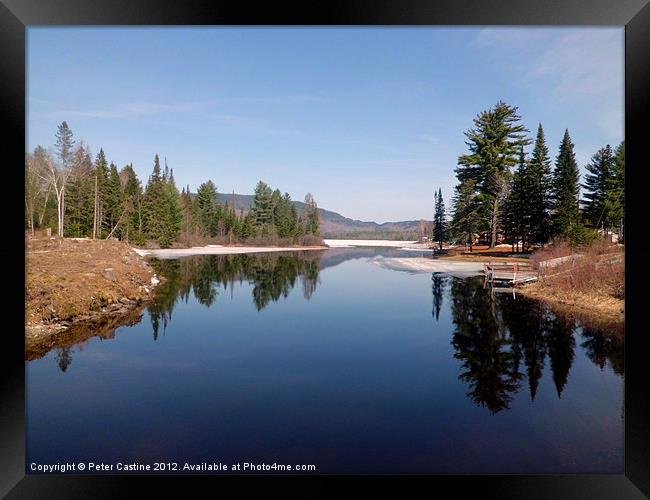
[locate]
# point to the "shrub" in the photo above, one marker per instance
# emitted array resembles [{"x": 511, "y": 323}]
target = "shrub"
[{"x": 579, "y": 235}]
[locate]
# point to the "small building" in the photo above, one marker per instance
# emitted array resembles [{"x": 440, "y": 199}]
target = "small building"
[{"x": 486, "y": 237}]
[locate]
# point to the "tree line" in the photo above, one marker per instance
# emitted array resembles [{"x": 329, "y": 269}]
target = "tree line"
[
  {"x": 505, "y": 191},
  {"x": 79, "y": 196}
]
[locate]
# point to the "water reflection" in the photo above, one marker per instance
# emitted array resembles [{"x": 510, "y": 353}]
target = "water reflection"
[
  {"x": 272, "y": 275},
  {"x": 502, "y": 344},
  {"x": 437, "y": 287},
  {"x": 489, "y": 363},
  {"x": 495, "y": 333}
]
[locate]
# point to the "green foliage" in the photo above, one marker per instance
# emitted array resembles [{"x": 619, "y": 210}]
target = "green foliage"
[
  {"x": 579, "y": 235},
  {"x": 565, "y": 189},
  {"x": 113, "y": 200},
  {"x": 206, "y": 205},
  {"x": 262, "y": 209},
  {"x": 79, "y": 195},
  {"x": 466, "y": 219},
  {"x": 310, "y": 217},
  {"x": 102, "y": 176},
  {"x": 494, "y": 143},
  {"x": 132, "y": 225},
  {"x": 539, "y": 194},
  {"x": 518, "y": 210},
  {"x": 64, "y": 145},
  {"x": 439, "y": 219},
  {"x": 101, "y": 200},
  {"x": 161, "y": 207},
  {"x": 616, "y": 190}
]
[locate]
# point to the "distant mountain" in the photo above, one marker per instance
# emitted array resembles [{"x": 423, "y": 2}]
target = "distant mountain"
[{"x": 334, "y": 224}]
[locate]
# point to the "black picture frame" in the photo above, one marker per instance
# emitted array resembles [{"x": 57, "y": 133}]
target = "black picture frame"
[{"x": 17, "y": 15}]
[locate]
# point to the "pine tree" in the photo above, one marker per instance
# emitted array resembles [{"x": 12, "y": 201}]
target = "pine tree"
[
  {"x": 565, "y": 189},
  {"x": 132, "y": 224},
  {"x": 247, "y": 225},
  {"x": 63, "y": 147},
  {"x": 616, "y": 191},
  {"x": 311, "y": 219},
  {"x": 154, "y": 205},
  {"x": 171, "y": 211},
  {"x": 79, "y": 194},
  {"x": 439, "y": 222},
  {"x": 466, "y": 219},
  {"x": 520, "y": 211},
  {"x": 114, "y": 202},
  {"x": 597, "y": 185},
  {"x": 493, "y": 143},
  {"x": 207, "y": 206},
  {"x": 189, "y": 224},
  {"x": 101, "y": 188},
  {"x": 262, "y": 209},
  {"x": 539, "y": 195}
]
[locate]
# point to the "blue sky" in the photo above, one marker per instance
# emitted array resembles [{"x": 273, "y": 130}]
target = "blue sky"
[{"x": 369, "y": 120}]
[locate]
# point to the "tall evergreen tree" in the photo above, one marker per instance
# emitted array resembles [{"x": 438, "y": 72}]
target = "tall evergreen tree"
[
  {"x": 519, "y": 209},
  {"x": 64, "y": 152},
  {"x": 439, "y": 220},
  {"x": 311, "y": 219},
  {"x": 539, "y": 196},
  {"x": 566, "y": 188},
  {"x": 206, "y": 199},
  {"x": 114, "y": 202},
  {"x": 101, "y": 188},
  {"x": 132, "y": 226},
  {"x": 262, "y": 209},
  {"x": 616, "y": 190},
  {"x": 154, "y": 210},
  {"x": 493, "y": 144},
  {"x": 79, "y": 194},
  {"x": 171, "y": 211},
  {"x": 597, "y": 184},
  {"x": 466, "y": 219}
]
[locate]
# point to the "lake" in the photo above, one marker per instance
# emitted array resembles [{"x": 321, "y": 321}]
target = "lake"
[{"x": 328, "y": 359}]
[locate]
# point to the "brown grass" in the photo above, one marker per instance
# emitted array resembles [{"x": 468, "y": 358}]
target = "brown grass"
[
  {"x": 68, "y": 279},
  {"x": 592, "y": 286}
]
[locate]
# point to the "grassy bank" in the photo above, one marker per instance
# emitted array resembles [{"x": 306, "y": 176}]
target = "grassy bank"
[
  {"x": 587, "y": 282},
  {"x": 71, "y": 281}
]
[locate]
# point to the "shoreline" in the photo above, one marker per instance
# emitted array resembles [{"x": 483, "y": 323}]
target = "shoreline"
[
  {"x": 74, "y": 283},
  {"x": 174, "y": 253},
  {"x": 592, "y": 309}
]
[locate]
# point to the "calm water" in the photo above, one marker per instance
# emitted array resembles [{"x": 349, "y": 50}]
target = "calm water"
[{"x": 328, "y": 359}]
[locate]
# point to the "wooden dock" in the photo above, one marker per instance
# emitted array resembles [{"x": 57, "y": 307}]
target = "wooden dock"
[{"x": 505, "y": 274}]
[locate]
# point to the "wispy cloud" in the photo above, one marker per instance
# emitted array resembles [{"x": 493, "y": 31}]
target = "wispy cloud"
[
  {"x": 565, "y": 66},
  {"x": 128, "y": 110}
]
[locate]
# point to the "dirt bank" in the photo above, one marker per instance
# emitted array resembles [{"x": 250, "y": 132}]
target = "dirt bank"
[{"x": 70, "y": 281}]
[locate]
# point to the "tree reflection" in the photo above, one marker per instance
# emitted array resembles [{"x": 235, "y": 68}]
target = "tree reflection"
[
  {"x": 272, "y": 276},
  {"x": 64, "y": 358},
  {"x": 494, "y": 333},
  {"x": 526, "y": 321},
  {"x": 561, "y": 349},
  {"x": 485, "y": 354},
  {"x": 438, "y": 282},
  {"x": 601, "y": 349}
]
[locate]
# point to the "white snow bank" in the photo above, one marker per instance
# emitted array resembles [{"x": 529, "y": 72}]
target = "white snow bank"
[
  {"x": 175, "y": 253},
  {"x": 366, "y": 243},
  {"x": 419, "y": 264}
]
